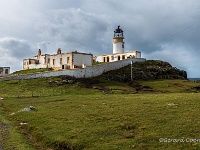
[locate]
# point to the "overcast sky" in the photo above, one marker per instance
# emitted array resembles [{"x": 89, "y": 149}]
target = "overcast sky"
[{"x": 167, "y": 30}]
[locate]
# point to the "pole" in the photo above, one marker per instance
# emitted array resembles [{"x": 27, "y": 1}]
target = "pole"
[{"x": 131, "y": 71}]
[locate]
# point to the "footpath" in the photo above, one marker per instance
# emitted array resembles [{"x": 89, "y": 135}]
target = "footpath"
[
  {"x": 1, "y": 138},
  {"x": 4, "y": 136}
]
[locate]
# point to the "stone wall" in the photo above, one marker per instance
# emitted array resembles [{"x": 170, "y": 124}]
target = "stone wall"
[{"x": 79, "y": 73}]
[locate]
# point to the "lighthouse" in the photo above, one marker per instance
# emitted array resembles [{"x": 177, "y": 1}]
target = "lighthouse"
[
  {"x": 118, "y": 41},
  {"x": 118, "y": 50}
]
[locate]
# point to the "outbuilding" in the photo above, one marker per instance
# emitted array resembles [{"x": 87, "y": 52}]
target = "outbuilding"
[{"x": 4, "y": 71}]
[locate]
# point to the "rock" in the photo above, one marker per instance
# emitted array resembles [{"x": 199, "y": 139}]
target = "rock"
[
  {"x": 23, "y": 123},
  {"x": 30, "y": 108},
  {"x": 172, "y": 104}
]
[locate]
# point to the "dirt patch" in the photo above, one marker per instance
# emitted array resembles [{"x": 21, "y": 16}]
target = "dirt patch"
[
  {"x": 3, "y": 133},
  {"x": 197, "y": 88},
  {"x": 5, "y": 137},
  {"x": 1, "y": 141}
]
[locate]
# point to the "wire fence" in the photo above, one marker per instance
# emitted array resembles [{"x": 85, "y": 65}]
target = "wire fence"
[{"x": 35, "y": 93}]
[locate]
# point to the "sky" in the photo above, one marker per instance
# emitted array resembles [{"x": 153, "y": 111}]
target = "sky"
[{"x": 167, "y": 30}]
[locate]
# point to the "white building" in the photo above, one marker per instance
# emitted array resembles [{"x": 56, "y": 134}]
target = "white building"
[
  {"x": 4, "y": 71},
  {"x": 118, "y": 56},
  {"x": 118, "y": 49},
  {"x": 67, "y": 60}
]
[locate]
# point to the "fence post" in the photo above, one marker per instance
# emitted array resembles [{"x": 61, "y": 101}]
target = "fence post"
[
  {"x": 32, "y": 93},
  {"x": 43, "y": 92},
  {"x": 40, "y": 93},
  {"x": 18, "y": 94}
]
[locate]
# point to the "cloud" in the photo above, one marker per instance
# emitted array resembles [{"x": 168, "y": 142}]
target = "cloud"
[
  {"x": 164, "y": 29},
  {"x": 13, "y": 51},
  {"x": 74, "y": 29},
  {"x": 15, "y": 47},
  {"x": 181, "y": 57},
  {"x": 43, "y": 45}
]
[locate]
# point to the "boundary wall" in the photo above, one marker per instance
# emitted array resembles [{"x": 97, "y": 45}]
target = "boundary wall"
[{"x": 87, "y": 72}]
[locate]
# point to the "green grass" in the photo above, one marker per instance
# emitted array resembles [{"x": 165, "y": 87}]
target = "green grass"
[
  {"x": 108, "y": 121},
  {"x": 12, "y": 139},
  {"x": 171, "y": 86},
  {"x": 31, "y": 71},
  {"x": 75, "y": 117},
  {"x": 98, "y": 63}
]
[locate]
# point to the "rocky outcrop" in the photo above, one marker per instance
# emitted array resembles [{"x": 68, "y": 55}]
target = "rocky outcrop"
[{"x": 149, "y": 70}]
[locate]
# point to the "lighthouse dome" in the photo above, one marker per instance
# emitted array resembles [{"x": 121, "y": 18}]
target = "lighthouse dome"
[{"x": 118, "y": 32}]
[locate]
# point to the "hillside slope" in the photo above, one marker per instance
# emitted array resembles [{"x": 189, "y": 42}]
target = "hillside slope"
[
  {"x": 147, "y": 78},
  {"x": 149, "y": 70}
]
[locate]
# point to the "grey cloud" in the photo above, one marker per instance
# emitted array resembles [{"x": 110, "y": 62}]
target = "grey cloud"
[
  {"x": 166, "y": 29},
  {"x": 43, "y": 45},
  {"x": 13, "y": 51},
  {"x": 15, "y": 47},
  {"x": 75, "y": 29}
]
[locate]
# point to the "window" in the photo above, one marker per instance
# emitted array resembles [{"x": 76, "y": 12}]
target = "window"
[
  {"x": 123, "y": 56},
  {"x": 68, "y": 60},
  {"x": 118, "y": 57},
  {"x": 6, "y": 71},
  {"x": 104, "y": 59},
  {"x": 112, "y": 57},
  {"x": 48, "y": 61},
  {"x": 1, "y": 70},
  {"x": 53, "y": 61},
  {"x": 108, "y": 59},
  {"x": 60, "y": 60}
]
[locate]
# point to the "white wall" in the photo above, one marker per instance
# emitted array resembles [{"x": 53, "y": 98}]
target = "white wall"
[
  {"x": 3, "y": 71},
  {"x": 80, "y": 59},
  {"x": 80, "y": 73},
  {"x": 25, "y": 62},
  {"x": 126, "y": 54},
  {"x": 117, "y": 47},
  {"x": 56, "y": 59},
  {"x": 99, "y": 58},
  {"x": 41, "y": 59},
  {"x": 138, "y": 54},
  {"x": 37, "y": 66}
]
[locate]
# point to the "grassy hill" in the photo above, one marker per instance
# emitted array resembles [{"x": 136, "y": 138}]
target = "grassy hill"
[
  {"x": 148, "y": 70},
  {"x": 31, "y": 71},
  {"x": 100, "y": 113}
]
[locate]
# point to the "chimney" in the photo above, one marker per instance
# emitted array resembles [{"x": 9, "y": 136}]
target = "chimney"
[
  {"x": 39, "y": 52},
  {"x": 59, "y": 51}
]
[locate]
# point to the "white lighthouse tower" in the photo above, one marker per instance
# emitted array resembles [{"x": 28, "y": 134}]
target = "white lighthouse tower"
[{"x": 118, "y": 41}]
